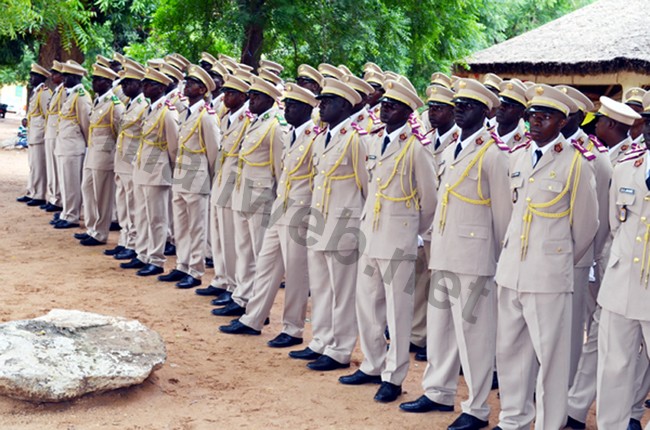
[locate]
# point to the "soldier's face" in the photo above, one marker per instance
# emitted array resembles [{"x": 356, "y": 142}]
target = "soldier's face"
[
  {"x": 469, "y": 113},
  {"x": 194, "y": 89},
  {"x": 508, "y": 113},
  {"x": 233, "y": 99},
  {"x": 545, "y": 126},
  {"x": 330, "y": 108},
  {"x": 57, "y": 77},
  {"x": 152, "y": 90},
  {"x": 309, "y": 84},
  {"x": 101, "y": 85},
  {"x": 375, "y": 96},
  {"x": 35, "y": 79},
  {"x": 646, "y": 131},
  {"x": 602, "y": 128},
  {"x": 70, "y": 80},
  {"x": 393, "y": 112},
  {"x": 218, "y": 82},
  {"x": 440, "y": 114},
  {"x": 259, "y": 103},
  {"x": 131, "y": 87}
]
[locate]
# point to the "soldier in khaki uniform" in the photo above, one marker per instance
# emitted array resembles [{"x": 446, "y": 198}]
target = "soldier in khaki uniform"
[
  {"x": 152, "y": 176},
  {"x": 624, "y": 294},
  {"x": 128, "y": 142},
  {"x": 360, "y": 115},
  {"x": 74, "y": 121},
  {"x": 634, "y": 99},
  {"x": 53, "y": 194},
  {"x": 284, "y": 250},
  {"x": 98, "y": 183},
  {"x": 258, "y": 168},
  {"x": 224, "y": 251},
  {"x": 36, "y": 118},
  {"x": 199, "y": 139},
  {"x": 553, "y": 223},
  {"x": 340, "y": 189},
  {"x": 438, "y": 80},
  {"x": 473, "y": 212},
  {"x": 399, "y": 207},
  {"x": 493, "y": 83},
  {"x": 511, "y": 129},
  {"x": 614, "y": 134},
  {"x": 376, "y": 81}
]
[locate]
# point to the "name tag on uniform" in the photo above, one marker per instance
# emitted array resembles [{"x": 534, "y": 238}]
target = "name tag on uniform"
[
  {"x": 515, "y": 175},
  {"x": 372, "y": 157},
  {"x": 627, "y": 190}
]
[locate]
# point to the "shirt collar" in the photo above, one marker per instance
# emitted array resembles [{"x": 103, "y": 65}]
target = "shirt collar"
[
  {"x": 464, "y": 143},
  {"x": 534, "y": 147},
  {"x": 71, "y": 90},
  {"x": 506, "y": 137},
  {"x": 302, "y": 127},
  {"x": 196, "y": 106},
  {"x": 617, "y": 146},
  {"x": 574, "y": 136},
  {"x": 334, "y": 131},
  {"x": 448, "y": 133},
  {"x": 238, "y": 112}
]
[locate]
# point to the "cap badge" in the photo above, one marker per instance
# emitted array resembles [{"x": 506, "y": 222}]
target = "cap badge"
[
  {"x": 462, "y": 84},
  {"x": 509, "y": 86}
]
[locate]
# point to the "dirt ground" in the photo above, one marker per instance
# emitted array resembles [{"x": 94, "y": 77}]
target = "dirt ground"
[{"x": 210, "y": 380}]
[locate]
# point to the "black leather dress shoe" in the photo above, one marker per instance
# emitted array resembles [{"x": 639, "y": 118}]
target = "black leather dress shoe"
[
  {"x": 133, "y": 264},
  {"x": 634, "y": 424},
  {"x": 54, "y": 208},
  {"x": 81, "y": 236},
  {"x": 24, "y": 199},
  {"x": 44, "y": 206},
  {"x": 209, "y": 262},
  {"x": 188, "y": 282},
  {"x": 210, "y": 291},
  {"x": 423, "y": 404},
  {"x": 572, "y": 423},
  {"x": 360, "y": 378},
  {"x": 414, "y": 348},
  {"x": 63, "y": 224},
  {"x": 467, "y": 422},
  {"x": 114, "y": 227},
  {"x": 91, "y": 241},
  {"x": 114, "y": 251},
  {"x": 325, "y": 364},
  {"x": 421, "y": 355},
  {"x": 497, "y": 428},
  {"x": 173, "y": 276},
  {"x": 236, "y": 327},
  {"x": 230, "y": 310},
  {"x": 305, "y": 354},
  {"x": 150, "y": 270},
  {"x": 36, "y": 202},
  {"x": 223, "y": 300},
  {"x": 125, "y": 254},
  {"x": 169, "y": 249},
  {"x": 388, "y": 392},
  {"x": 284, "y": 340}
]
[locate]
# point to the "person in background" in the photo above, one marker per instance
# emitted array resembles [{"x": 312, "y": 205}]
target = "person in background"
[{"x": 21, "y": 142}]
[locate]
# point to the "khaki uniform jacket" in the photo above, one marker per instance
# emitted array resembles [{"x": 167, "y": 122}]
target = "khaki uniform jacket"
[
  {"x": 624, "y": 289},
  {"x": 340, "y": 189},
  {"x": 259, "y": 164},
  {"x": 518, "y": 137},
  {"x": 217, "y": 105},
  {"x": 450, "y": 139},
  {"x": 74, "y": 122},
  {"x": 37, "y": 114},
  {"x": 473, "y": 210},
  {"x": 401, "y": 195},
  {"x": 365, "y": 121},
  {"x": 104, "y": 126},
  {"x": 296, "y": 181},
  {"x": 158, "y": 146},
  {"x": 228, "y": 158},
  {"x": 130, "y": 131},
  {"x": 618, "y": 154},
  {"x": 539, "y": 256},
  {"x": 178, "y": 100},
  {"x": 53, "y": 109},
  {"x": 424, "y": 119},
  {"x": 119, "y": 92},
  {"x": 199, "y": 139}
]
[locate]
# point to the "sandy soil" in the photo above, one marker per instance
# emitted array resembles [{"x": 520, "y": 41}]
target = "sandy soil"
[{"x": 210, "y": 380}]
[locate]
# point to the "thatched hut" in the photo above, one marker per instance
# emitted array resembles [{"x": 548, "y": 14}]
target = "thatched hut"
[{"x": 603, "y": 48}]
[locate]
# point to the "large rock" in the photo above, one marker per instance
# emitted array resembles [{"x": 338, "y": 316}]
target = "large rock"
[{"x": 66, "y": 354}]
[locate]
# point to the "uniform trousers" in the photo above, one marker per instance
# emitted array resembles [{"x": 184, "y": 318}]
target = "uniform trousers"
[
  {"x": 461, "y": 329},
  {"x": 37, "y": 181},
  {"x": 151, "y": 222},
  {"x": 189, "y": 220},
  {"x": 53, "y": 193},
  {"x": 533, "y": 328},
  {"x": 171, "y": 237},
  {"x": 618, "y": 355},
  {"x": 219, "y": 280},
  {"x": 249, "y": 235},
  {"x": 223, "y": 243},
  {"x": 125, "y": 206},
  {"x": 420, "y": 296},
  {"x": 98, "y": 193},
  {"x": 69, "y": 168},
  {"x": 578, "y": 316},
  {"x": 283, "y": 251},
  {"x": 332, "y": 279},
  {"x": 385, "y": 288}
]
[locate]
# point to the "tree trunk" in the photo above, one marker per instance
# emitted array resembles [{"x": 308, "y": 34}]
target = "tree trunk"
[
  {"x": 52, "y": 50},
  {"x": 254, "y": 31}
]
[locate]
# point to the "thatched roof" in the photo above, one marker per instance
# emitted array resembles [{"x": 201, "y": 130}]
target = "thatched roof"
[{"x": 604, "y": 37}]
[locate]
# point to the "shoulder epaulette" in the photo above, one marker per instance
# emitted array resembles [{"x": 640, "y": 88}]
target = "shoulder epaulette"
[
  {"x": 521, "y": 145},
  {"x": 81, "y": 91},
  {"x": 422, "y": 138},
  {"x": 209, "y": 110},
  {"x": 319, "y": 130},
  {"x": 116, "y": 100},
  {"x": 633, "y": 155},
  {"x": 359, "y": 129},
  {"x": 588, "y": 155},
  {"x": 598, "y": 144},
  {"x": 497, "y": 140},
  {"x": 283, "y": 122}
]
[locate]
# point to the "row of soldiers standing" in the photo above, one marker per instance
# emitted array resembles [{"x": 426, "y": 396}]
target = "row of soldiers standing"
[{"x": 335, "y": 184}]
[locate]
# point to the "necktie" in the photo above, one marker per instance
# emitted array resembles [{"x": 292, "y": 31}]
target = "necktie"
[
  {"x": 437, "y": 145},
  {"x": 96, "y": 100},
  {"x": 538, "y": 155},
  {"x": 385, "y": 145},
  {"x": 327, "y": 139},
  {"x": 188, "y": 114},
  {"x": 459, "y": 148},
  {"x": 293, "y": 138},
  {"x": 647, "y": 182}
]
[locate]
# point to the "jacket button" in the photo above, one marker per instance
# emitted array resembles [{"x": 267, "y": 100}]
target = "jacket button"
[
  {"x": 531, "y": 180},
  {"x": 636, "y": 260}
]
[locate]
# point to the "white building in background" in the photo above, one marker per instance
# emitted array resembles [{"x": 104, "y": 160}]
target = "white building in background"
[{"x": 15, "y": 96}]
